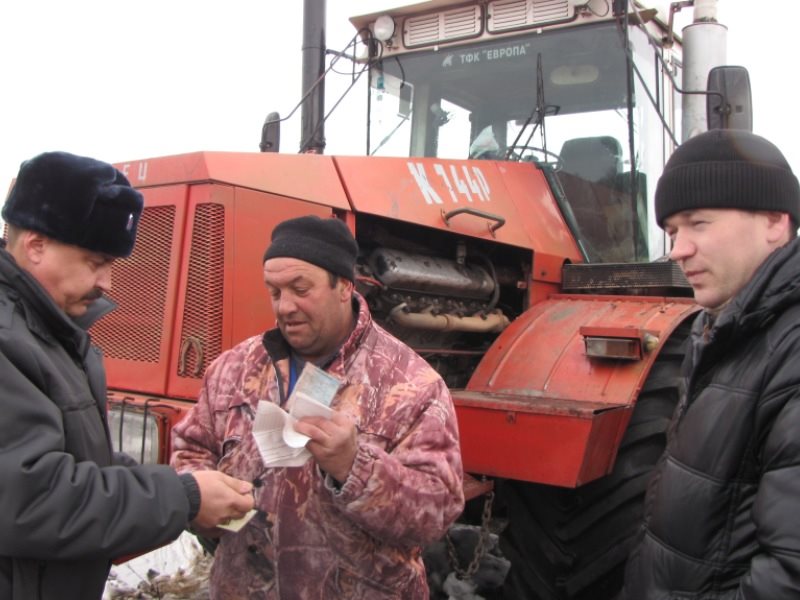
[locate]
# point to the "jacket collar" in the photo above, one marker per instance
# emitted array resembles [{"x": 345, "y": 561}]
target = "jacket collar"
[{"x": 774, "y": 286}]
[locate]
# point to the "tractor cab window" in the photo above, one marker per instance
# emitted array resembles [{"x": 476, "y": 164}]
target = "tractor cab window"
[{"x": 558, "y": 99}]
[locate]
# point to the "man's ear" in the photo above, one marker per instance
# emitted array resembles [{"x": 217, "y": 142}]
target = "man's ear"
[
  {"x": 778, "y": 226},
  {"x": 32, "y": 245},
  {"x": 346, "y": 288}
]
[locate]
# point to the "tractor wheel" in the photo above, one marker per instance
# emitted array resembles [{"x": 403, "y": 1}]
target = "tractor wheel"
[{"x": 573, "y": 543}]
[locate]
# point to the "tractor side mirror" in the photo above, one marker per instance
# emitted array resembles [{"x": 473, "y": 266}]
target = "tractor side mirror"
[
  {"x": 729, "y": 103},
  {"x": 271, "y": 133}
]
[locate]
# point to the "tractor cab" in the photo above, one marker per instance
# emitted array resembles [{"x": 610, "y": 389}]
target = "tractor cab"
[{"x": 550, "y": 84}]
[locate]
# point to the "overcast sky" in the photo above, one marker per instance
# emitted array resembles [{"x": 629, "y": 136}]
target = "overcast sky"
[{"x": 122, "y": 80}]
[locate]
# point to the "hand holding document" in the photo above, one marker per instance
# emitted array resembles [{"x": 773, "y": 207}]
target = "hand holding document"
[{"x": 273, "y": 429}]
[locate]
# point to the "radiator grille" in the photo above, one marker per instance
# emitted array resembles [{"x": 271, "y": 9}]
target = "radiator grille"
[
  {"x": 202, "y": 316},
  {"x": 139, "y": 286},
  {"x": 515, "y": 14},
  {"x": 442, "y": 27},
  {"x": 620, "y": 278}
]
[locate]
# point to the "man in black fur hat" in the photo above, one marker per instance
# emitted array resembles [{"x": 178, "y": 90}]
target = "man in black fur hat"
[
  {"x": 69, "y": 505},
  {"x": 721, "y": 509}
]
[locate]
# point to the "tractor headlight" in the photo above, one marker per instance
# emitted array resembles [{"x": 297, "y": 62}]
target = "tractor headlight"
[{"x": 134, "y": 432}]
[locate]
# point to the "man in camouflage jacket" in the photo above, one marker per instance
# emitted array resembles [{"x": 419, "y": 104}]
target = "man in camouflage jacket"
[{"x": 386, "y": 475}]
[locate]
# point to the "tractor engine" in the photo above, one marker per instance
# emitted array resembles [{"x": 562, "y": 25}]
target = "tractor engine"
[{"x": 446, "y": 300}]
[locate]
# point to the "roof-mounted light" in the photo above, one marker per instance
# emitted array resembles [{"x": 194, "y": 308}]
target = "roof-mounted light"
[{"x": 383, "y": 29}]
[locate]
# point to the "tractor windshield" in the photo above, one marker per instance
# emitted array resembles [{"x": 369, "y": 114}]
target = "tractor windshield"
[{"x": 558, "y": 98}]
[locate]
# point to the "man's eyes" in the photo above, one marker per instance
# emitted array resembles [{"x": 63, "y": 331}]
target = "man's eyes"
[
  {"x": 96, "y": 263},
  {"x": 276, "y": 294}
]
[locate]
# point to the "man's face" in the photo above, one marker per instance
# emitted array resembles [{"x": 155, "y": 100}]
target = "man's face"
[
  {"x": 314, "y": 317},
  {"x": 719, "y": 250},
  {"x": 74, "y": 277}
]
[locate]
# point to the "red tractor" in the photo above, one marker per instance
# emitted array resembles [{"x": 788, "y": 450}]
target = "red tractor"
[{"x": 504, "y": 215}]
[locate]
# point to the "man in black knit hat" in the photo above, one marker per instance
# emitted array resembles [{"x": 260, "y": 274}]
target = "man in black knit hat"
[
  {"x": 721, "y": 510},
  {"x": 68, "y": 504},
  {"x": 383, "y": 476}
]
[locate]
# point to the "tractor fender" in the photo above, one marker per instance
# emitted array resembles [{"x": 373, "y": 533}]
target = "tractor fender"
[{"x": 538, "y": 409}]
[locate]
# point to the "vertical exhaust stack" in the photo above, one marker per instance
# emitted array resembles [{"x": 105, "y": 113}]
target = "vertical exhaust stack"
[
  {"x": 705, "y": 44},
  {"x": 312, "y": 138}
]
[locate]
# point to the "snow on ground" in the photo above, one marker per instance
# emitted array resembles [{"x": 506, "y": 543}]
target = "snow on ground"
[{"x": 176, "y": 571}]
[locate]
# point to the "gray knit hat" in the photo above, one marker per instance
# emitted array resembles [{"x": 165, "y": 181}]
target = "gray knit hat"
[
  {"x": 326, "y": 243},
  {"x": 727, "y": 168}
]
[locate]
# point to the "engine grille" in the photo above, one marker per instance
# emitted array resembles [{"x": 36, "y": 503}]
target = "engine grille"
[
  {"x": 202, "y": 323},
  {"x": 623, "y": 278},
  {"x": 139, "y": 286}
]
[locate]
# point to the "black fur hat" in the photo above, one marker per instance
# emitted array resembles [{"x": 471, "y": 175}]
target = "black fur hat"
[
  {"x": 76, "y": 200},
  {"x": 326, "y": 243},
  {"x": 727, "y": 168}
]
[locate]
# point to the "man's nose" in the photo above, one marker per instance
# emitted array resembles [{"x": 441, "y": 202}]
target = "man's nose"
[
  {"x": 104, "y": 279},
  {"x": 286, "y": 304},
  {"x": 682, "y": 247}
]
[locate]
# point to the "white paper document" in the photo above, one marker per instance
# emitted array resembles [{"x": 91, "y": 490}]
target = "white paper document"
[
  {"x": 273, "y": 429},
  {"x": 236, "y": 524}
]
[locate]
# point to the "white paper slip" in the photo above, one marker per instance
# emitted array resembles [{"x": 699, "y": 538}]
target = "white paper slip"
[
  {"x": 268, "y": 434},
  {"x": 273, "y": 428},
  {"x": 303, "y": 407},
  {"x": 236, "y": 524}
]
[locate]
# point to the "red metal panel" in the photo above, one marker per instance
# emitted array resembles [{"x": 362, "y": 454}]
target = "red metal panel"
[
  {"x": 541, "y": 217},
  {"x": 423, "y": 190},
  {"x": 538, "y": 439},
  {"x": 204, "y": 285},
  {"x": 136, "y": 337},
  {"x": 538, "y": 409},
  {"x": 303, "y": 176},
  {"x": 542, "y": 351}
]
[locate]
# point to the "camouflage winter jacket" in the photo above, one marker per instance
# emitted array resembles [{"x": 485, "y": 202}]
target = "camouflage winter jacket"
[{"x": 309, "y": 539}]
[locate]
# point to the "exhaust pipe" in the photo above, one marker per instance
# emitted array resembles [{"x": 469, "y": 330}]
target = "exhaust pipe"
[{"x": 313, "y": 108}]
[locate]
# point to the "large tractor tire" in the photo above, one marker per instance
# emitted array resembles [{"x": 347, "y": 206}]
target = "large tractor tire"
[{"x": 572, "y": 543}]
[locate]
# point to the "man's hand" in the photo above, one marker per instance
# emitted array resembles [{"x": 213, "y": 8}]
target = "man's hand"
[
  {"x": 333, "y": 443},
  {"x": 222, "y": 498}
]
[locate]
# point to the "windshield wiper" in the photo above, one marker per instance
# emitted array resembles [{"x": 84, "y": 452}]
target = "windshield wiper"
[{"x": 538, "y": 114}]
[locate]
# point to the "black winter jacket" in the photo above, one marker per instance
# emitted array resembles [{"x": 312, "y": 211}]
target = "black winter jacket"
[
  {"x": 65, "y": 509},
  {"x": 722, "y": 514}
]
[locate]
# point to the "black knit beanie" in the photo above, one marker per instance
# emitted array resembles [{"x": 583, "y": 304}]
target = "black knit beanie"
[
  {"x": 326, "y": 243},
  {"x": 727, "y": 168},
  {"x": 76, "y": 200}
]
